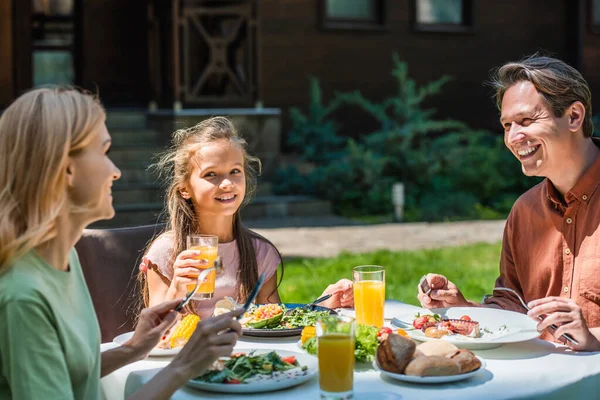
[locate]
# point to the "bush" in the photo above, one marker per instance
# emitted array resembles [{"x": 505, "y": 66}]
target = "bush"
[{"x": 449, "y": 170}]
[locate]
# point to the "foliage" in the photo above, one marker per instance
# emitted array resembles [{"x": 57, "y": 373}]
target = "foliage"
[
  {"x": 473, "y": 268},
  {"x": 449, "y": 170}
]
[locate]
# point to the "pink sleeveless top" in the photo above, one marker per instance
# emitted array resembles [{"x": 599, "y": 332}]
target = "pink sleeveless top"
[{"x": 226, "y": 283}]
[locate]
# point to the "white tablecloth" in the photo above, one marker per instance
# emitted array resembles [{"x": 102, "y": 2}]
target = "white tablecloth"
[{"x": 529, "y": 370}]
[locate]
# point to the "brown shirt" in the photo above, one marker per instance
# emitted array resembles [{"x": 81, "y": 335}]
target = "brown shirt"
[{"x": 551, "y": 247}]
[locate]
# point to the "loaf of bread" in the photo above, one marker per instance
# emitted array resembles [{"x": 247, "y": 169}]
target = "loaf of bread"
[
  {"x": 394, "y": 353},
  {"x": 467, "y": 361},
  {"x": 437, "y": 348},
  {"x": 432, "y": 366}
]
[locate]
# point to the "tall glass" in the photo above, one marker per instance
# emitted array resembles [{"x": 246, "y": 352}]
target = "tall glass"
[
  {"x": 208, "y": 245},
  {"x": 335, "y": 349},
  {"x": 369, "y": 294}
]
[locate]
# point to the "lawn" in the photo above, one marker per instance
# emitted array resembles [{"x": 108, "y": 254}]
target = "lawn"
[{"x": 473, "y": 268}]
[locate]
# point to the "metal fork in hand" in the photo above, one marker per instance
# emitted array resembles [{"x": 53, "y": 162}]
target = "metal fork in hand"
[
  {"x": 566, "y": 336},
  {"x": 191, "y": 294}
]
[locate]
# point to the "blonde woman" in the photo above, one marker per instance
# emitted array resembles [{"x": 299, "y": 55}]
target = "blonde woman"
[{"x": 55, "y": 179}]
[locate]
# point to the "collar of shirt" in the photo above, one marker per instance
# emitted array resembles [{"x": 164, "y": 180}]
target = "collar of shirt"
[{"x": 583, "y": 189}]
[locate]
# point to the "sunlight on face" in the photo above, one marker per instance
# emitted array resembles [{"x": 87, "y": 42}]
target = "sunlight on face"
[{"x": 217, "y": 184}]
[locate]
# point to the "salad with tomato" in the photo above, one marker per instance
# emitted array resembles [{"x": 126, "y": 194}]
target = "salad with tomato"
[{"x": 243, "y": 368}]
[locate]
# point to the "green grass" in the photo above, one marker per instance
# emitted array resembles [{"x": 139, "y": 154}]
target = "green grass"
[{"x": 472, "y": 268}]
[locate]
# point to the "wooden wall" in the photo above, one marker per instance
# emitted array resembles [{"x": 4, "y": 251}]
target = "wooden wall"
[
  {"x": 6, "y": 53},
  {"x": 114, "y": 51},
  {"x": 293, "y": 48}
]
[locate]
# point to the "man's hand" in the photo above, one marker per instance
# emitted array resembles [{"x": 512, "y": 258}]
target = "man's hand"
[
  {"x": 151, "y": 326},
  {"x": 342, "y": 294},
  {"x": 567, "y": 315},
  {"x": 443, "y": 294}
]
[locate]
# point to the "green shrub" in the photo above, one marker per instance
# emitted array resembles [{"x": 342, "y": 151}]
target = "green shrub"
[{"x": 449, "y": 170}]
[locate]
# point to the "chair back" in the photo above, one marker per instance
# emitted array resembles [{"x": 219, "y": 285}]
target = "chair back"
[{"x": 110, "y": 259}]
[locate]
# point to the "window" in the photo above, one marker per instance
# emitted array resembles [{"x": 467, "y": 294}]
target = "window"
[
  {"x": 352, "y": 14},
  {"x": 443, "y": 15},
  {"x": 595, "y": 16}
]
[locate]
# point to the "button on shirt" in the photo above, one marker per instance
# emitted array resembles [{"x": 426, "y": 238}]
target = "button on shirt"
[{"x": 551, "y": 246}]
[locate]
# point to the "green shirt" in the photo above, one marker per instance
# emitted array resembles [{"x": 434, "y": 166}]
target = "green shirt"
[{"x": 49, "y": 334}]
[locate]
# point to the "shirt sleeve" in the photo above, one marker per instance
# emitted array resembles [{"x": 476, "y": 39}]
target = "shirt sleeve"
[
  {"x": 267, "y": 258},
  {"x": 31, "y": 356},
  {"x": 509, "y": 277},
  {"x": 160, "y": 253}
]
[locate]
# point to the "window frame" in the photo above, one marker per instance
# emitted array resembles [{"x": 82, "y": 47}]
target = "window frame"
[
  {"x": 467, "y": 26},
  {"x": 332, "y": 24},
  {"x": 594, "y": 28}
]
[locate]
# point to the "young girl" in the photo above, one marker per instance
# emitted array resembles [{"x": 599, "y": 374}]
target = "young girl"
[{"x": 212, "y": 177}]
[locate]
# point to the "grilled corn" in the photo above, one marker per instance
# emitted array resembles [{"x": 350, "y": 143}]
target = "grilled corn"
[
  {"x": 307, "y": 333},
  {"x": 184, "y": 330}
]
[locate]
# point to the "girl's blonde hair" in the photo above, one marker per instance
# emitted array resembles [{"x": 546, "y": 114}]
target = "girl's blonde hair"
[
  {"x": 176, "y": 165},
  {"x": 38, "y": 132}
]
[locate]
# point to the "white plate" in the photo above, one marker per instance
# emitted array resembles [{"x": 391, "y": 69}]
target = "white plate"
[
  {"x": 268, "y": 384},
  {"x": 430, "y": 379},
  {"x": 155, "y": 352},
  {"x": 519, "y": 327}
]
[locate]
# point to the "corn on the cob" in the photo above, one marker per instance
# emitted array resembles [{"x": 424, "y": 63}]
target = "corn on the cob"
[
  {"x": 184, "y": 330},
  {"x": 307, "y": 333}
]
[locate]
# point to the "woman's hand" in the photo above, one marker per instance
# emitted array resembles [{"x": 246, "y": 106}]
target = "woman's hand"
[
  {"x": 186, "y": 270},
  {"x": 443, "y": 294},
  {"x": 567, "y": 315},
  {"x": 342, "y": 295},
  {"x": 151, "y": 326},
  {"x": 213, "y": 338}
]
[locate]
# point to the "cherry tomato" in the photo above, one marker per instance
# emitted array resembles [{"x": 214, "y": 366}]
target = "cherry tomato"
[
  {"x": 465, "y": 318},
  {"x": 290, "y": 359},
  {"x": 233, "y": 381},
  {"x": 235, "y": 355},
  {"x": 384, "y": 330},
  {"x": 420, "y": 321}
]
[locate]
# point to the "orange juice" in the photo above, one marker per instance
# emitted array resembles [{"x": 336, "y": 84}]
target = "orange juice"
[
  {"x": 208, "y": 253},
  {"x": 336, "y": 362},
  {"x": 369, "y": 298}
]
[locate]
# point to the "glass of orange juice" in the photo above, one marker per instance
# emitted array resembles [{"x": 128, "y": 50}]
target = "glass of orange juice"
[
  {"x": 369, "y": 294},
  {"x": 209, "y": 247},
  {"x": 335, "y": 350}
]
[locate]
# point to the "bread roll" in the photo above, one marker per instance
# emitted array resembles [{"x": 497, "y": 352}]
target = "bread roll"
[
  {"x": 432, "y": 366},
  {"x": 394, "y": 353},
  {"x": 437, "y": 348},
  {"x": 467, "y": 361}
]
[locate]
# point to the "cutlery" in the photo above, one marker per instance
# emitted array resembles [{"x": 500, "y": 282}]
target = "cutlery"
[
  {"x": 310, "y": 306},
  {"x": 402, "y": 324},
  {"x": 566, "y": 336},
  {"x": 252, "y": 295},
  {"x": 191, "y": 294}
]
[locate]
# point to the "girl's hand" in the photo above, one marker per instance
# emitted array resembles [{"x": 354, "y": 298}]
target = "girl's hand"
[
  {"x": 342, "y": 295},
  {"x": 213, "y": 338},
  {"x": 186, "y": 270},
  {"x": 151, "y": 326},
  {"x": 443, "y": 293}
]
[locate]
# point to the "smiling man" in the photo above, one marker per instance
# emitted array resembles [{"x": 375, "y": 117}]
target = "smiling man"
[{"x": 551, "y": 244}]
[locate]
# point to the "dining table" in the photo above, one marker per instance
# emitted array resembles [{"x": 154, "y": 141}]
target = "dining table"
[{"x": 533, "y": 369}]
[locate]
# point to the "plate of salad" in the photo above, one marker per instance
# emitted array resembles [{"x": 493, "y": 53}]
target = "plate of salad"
[
  {"x": 365, "y": 343},
  {"x": 257, "y": 371},
  {"x": 281, "y": 320}
]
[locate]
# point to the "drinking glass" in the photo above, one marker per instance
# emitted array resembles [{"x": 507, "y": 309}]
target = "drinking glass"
[
  {"x": 208, "y": 245},
  {"x": 335, "y": 350},
  {"x": 369, "y": 294}
]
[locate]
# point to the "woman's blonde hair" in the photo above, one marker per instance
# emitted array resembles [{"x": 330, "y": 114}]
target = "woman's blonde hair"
[
  {"x": 176, "y": 165},
  {"x": 38, "y": 132}
]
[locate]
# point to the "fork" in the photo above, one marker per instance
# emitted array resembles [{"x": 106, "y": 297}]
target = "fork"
[
  {"x": 566, "y": 336},
  {"x": 191, "y": 294}
]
